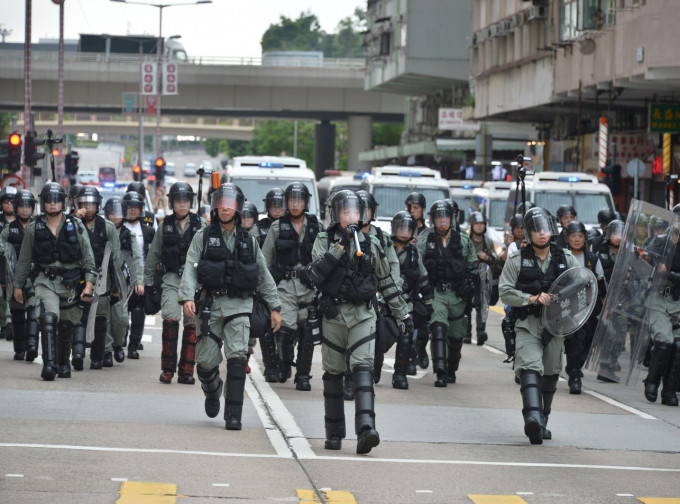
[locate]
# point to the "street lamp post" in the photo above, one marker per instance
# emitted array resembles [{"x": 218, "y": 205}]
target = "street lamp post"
[{"x": 159, "y": 52}]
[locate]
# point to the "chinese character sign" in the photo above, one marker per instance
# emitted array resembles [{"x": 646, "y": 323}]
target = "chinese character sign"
[
  {"x": 452, "y": 119},
  {"x": 170, "y": 78},
  {"x": 664, "y": 118},
  {"x": 149, "y": 78}
]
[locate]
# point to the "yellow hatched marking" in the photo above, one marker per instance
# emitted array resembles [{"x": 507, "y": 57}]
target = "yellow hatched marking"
[
  {"x": 498, "y": 309},
  {"x": 135, "y": 492},
  {"x": 332, "y": 497},
  {"x": 496, "y": 499},
  {"x": 659, "y": 500}
]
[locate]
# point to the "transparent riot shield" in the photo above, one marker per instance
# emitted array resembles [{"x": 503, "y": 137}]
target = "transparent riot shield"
[
  {"x": 485, "y": 282},
  {"x": 572, "y": 299},
  {"x": 124, "y": 277},
  {"x": 11, "y": 262},
  {"x": 622, "y": 334}
]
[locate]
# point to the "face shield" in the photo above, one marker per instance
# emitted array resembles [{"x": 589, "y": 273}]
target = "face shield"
[
  {"x": 114, "y": 209},
  {"x": 403, "y": 228},
  {"x": 226, "y": 198},
  {"x": 347, "y": 210},
  {"x": 89, "y": 198},
  {"x": 538, "y": 222}
]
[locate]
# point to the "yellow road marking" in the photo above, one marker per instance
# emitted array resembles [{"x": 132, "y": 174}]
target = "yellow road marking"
[
  {"x": 332, "y": 497},
  {"x": 496, "y": 499},
  {"x": 498, "y": 309},
  {"x": 659, "y": 500},
  {"x": 136, "y": 492}
]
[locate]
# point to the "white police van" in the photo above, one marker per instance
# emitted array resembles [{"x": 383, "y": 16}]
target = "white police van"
[
  {"x": 390, "y": 185},
  {"x": 256, "y": 175}
]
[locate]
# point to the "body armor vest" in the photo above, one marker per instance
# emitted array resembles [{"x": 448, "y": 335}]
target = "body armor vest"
[
  {"x": 220, "y": 270},
  {"x": 98, "y": 239},
  {"x": 352, "y": 280},
  {"x": 175, "y": 246},
  {"x": 590, "y": 260},
  {"x": 410, "y": 270},
  {"x": 64, "y": 248},
  {"x": 607, "y": 261},
  {"x": 445, "y": 265},
  {"x": 290, "y": 251},
  {"x": 531, "y": 279},
  {"x": 263, "y": 226},
  {"x": 675, "y": 265},
  {"x": 16, "y": 236}
]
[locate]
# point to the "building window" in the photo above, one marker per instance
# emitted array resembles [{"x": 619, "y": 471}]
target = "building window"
[
  {"x": 385, "y": 39},
  {"x": 568, "y": 19}
]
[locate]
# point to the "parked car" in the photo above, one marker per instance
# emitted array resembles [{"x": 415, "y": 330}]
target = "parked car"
[
  {"x": 170, "y": 168},
  {"x": 88, "y": 177},
  {"x": 190, "y": 169}
]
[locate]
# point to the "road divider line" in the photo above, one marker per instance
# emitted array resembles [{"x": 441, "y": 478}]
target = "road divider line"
[{"x": 497, "y": 499}]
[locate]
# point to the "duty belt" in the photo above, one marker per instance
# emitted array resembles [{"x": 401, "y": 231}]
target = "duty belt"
[
  {"x": 288, "y": 274},
  {"x": 446, "y": 286},
  {"x": 51, "y": 272}
]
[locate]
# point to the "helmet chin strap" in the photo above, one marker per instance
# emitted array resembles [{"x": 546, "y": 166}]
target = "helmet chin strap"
[
  {"x": 53, "y": 214},
  {"x": 404, "y": 242},
  {"x": 544, "y": 246}
]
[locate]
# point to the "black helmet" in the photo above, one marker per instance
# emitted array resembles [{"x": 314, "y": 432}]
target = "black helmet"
[
  {"x": 52, "y": 193},
  {"x": 249, "y": 210},
  {"x": 137, "y": 187},
  {"x": 180, "y": 191},
  {"x": 615, "y": 229},
  {"x": 23, "y": 197},
  {"x": 75, "y": 189},
  {"x": 227, "y": 196},
  {"x": 656, "y": 222},
  {"x": 476, "y": 218},
  {"x": 605, "y": 215},
  {"x": 516, "y": 220},
  {"x": 369, "y": 202},
  {"x": 298, "y": 190},
  {"x": 347, "y": 201},
  {"x": 575, "y": 227},
  {"x": 113, "y": 207},
  {"x": 7, "y": 193},
  {"x": 565, "y": 210},
  {"x": 132, "y": 199},
  {"x": 274, "y": 197},
  {"x": 89, "y": 194},
  {"x": 523, "y": 208},
  {"x": 441, "y": 208},
  {"x": 537, "y": 219},
  {"x": 403, "y": 221},
  {"x": 593, "y": 233},
  {"x": 415, "y": 198}
]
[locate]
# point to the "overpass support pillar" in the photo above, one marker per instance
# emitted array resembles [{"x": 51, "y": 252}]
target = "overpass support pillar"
[
  {"x": 359, "y": 139},
  {"x": 324, "y": 147}
]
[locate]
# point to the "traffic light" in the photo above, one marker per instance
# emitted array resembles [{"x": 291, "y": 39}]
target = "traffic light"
[
  {"x": 31, "y": 154},
  {"x": 137, "y": 173},
  {"x": 71, "y": 163},
  {"x": 14, "y": 152},
  {"x": 160, "y": 169}
]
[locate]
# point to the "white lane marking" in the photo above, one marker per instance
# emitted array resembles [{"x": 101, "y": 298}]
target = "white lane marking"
[
  {"x": 282, "y": 418},
  {"x": 625, "y": 495},
  {"x": 491, "y": 349},
  {"x": 419, "y": 372},
  {"x": 425, "y": 491},
  {"x": 618, "y": 404},
  {"x": 220, "y": 484},
  {"x": 525, "y": 493},
  {"x": 147, "y": 338},
  {"x": 119, "y": 479},
  {"x": 14, "y": 475},
  {"x": 345, "y": 459}
]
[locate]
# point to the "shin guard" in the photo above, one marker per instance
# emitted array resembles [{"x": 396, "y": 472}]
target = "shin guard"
[
  {"x": 236, "y": 383},
  {"x": 364, "y": 406},
  {"x": 211, "y": 383},
  {"x": 187, "y": 358},
  {"x": 98, "y": 346},
  {"x": 65, "y": 331},
  {"x": 169, "y": 336},
  {"x": 19, "y": 328},
  {"x": 549, "y": 388},
  {"x": 401, "y": 360},
  {"x": 269, "y": 357},
  {"x": 455, "y": 347},
  {"x": 48, "y": 328},
  {"x": 334, "y": 411},
  {"x": 303, "y": 364},
  {"x": 32, "y": 334},
  {"x": 531, "y": 388},
  {"x": 285, "y": 343}
]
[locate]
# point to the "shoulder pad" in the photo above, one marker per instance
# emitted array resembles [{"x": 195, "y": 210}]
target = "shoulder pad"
[{"x": 322, "y": 234}]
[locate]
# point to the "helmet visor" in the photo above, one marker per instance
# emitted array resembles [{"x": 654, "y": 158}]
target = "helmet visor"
[
  {"x": 404, "y": 228},
  {"x": 538, "y": 223},
  {"x": 52, "y": 197},
  {"x": 114, "y": 209},
  {"x": 182, "y": 196},
  {"x": 225, "y": 198},
  {"x": 90, "y": 198},
  {"x": 347, "y": 211}
]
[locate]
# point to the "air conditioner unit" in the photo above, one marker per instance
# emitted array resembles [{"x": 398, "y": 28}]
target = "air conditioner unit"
[
  {"x": 538, "y": 12},
  {"x": 507, "y": 26},
  {"x": 514, "y": 20}
]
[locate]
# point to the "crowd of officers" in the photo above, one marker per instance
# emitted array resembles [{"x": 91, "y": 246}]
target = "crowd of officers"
[{"x": 79, "y": 279}]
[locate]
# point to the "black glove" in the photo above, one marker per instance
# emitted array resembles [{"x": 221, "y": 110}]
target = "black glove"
[
  {"x": 407, "y": 326},
  {"x": 348, "y": 235},
  {"x": 430, "y": 309},
  {"x": 150, "y": 290}
]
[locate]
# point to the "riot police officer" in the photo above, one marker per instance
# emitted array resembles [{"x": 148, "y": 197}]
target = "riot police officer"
[
  {"x": 132, "y": 207},
  {"x": 275, "y": 206},
  {"x": 415, "y": 205},
  {"x": 169, "y": 248},
  {"x": 565, "y": 214},
  {"x": 416, "y": 291},
  {"x": 148, "y": 218},
  {"x": 250, "y": 215},
  {"x": 451, "y": 263},
  {"x": 24, "y": 323},
  {"x": 229, "y": 267},
  {"x": 60, "y": 250},
  {"x": 525, "y": 280},
  {"x": 287, "y": 250},
  {"x": 131, "y": 255},
  {"x": 604, "y": 217},
  {"x": 72, "y": 193},
  {"x": 348, "y": 268},
  {"x": 6, "y": 216},
  {"x": 100, "y": 231}
]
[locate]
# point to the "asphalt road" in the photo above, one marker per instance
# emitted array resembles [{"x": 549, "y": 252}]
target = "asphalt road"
[{"x": 118, "y": 435}]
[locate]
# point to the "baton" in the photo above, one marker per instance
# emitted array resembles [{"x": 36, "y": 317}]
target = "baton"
[
  {"x": 356, "y": 244},
  {"x": 50, "y": 144}
]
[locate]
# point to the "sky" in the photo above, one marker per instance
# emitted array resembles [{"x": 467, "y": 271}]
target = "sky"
[{"x": 225, "y": 28}]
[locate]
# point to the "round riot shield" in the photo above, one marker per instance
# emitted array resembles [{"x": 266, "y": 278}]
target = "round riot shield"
[{"x": 572, "y": 300}]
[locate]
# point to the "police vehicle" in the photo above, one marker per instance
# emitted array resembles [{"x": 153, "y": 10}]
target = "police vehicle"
[
  {"x": 333, "y": 183},
  {"x": 390, "y": 185},
  {"x": 255, "y": 175}
]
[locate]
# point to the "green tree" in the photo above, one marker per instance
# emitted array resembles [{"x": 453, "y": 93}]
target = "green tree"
[
  {"x": 275, "y": 138},
  {"x": 301, "y": 34},
  {"x": 387, "y": 134},
  {"x": 5, "y": 123}
]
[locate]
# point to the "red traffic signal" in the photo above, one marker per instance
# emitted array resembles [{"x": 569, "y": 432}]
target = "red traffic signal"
[
  {"x": 160, "y": 162},
  {"x": 137, "y": 173},
  {"x": 14, "y": 152},
  {"x": 15, "y": 140}
]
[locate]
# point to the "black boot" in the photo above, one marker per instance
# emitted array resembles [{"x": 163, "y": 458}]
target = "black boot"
[
  {"x": 285, "y": 343},
  {"x": 108, "y": 359},
  {"x": 65, "y": 333},
  {"x": 137, "y": 318},
  {"x": 421, "y": 343},
  {"x": 671, "y": 378},
  {"x": 532, "y": 401},
  {"x": 482, "y": 337},
  {"x": 236, "y": 383},
  {"x": 378, "y": 361},
  {"x": 348, "y": 387},
  {"x": 662, "y": 353},
  {"x": 98, "y": 347},
  {"x": 401, "y": 358},
  {"x": 334, "y": 411},
  {"x": 118, "y": 353},
  {"x": 211, "y": 383},
  {"x": 575, "y": 376},
  {"x": 32, "y": 334},
  {"x": 468, "y": 334},
  {"x": 549, "y": 388},
  {"x": 438, "y": 349},
  {"x": 364, "y": 407},
  {"x": 303, "y": 365},
  {"x": 80, "y": 340},
  {"x": 455, "y": 347},
  {"x": 187, "y": 356},
  {"x": 19, "y": 329},
  {"x": 269, "y": 357},
  {"x": 48, "y": 328},
  {"x": 8, "y": 331},
  {"x": 411, "y": 369}
]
